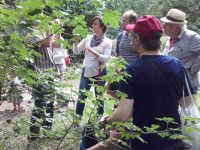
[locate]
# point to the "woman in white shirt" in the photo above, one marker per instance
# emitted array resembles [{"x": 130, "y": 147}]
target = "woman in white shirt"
[
  {"x": 59, "y": 52},
  {"x": 97, "y": 48}
]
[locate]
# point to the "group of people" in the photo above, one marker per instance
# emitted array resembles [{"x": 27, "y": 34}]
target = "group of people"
[
  {"x": 156, "y": 82},
  {"x": 57, "y": 55}
]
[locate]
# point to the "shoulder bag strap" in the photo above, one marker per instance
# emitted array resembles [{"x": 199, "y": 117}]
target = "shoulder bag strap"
[{"x": 192, "y": 100}]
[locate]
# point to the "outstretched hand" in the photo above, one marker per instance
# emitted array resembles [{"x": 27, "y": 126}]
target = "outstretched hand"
[{"x": 103, "y": 121}]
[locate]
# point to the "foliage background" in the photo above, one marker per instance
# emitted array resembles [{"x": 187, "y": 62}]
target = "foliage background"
[{"x": 20, "y": 19}]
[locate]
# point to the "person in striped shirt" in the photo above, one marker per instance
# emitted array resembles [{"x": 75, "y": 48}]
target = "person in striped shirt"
[
  {"x": 43, "y": 90},
  {"x": 123, "y": 46}
]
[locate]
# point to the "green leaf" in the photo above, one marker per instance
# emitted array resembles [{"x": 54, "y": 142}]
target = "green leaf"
[
  {"x": 152, "y": 128},
  {"x": 52, "y": 3},
  {"x": 81, "y": 1},
  {"x": 67, "y": 44},
  {"x": 141, "y": 139},
  {"x": 23, "y": 52},
  {"x": 163, "y": 134},
  {"x": 111, "y": 17},
  {"x": 26, "y": 76},
  {"x": 79, "y": 20},
  {"x": 35, "y": 12},
  {"x": 175, "y": 136},
  {"x": 35, "y": 53},
  {"x": 167, "y": 120},
  {"x": 14, "y": 36},
  {"x": 57, "y": 13},
  {"x": 188, "y": 129},
  {"x": 81, "y": 30},
  {"x": 32, "y": 7}
]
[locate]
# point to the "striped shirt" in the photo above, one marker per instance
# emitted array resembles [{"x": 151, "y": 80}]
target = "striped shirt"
[
  {"x": 125, "y": 49},
  {"x": 45, "y": 62}
]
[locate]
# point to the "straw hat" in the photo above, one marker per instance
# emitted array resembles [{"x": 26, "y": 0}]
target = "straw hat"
[{"x": 175, "y": 16}]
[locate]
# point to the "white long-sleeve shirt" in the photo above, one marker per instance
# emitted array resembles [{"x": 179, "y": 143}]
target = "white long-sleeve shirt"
[{"x": 91, "y": 63}]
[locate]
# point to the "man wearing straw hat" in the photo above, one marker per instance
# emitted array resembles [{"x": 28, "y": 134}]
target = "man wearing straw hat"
[{"x": 183, "y": 44}]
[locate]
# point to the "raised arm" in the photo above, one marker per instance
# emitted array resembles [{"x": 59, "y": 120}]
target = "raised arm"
[
  {"x": 77, "y": 48},
  {"x": 123, "y": 112}
]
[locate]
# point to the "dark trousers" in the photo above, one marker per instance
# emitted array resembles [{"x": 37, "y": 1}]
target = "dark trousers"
[
  {"x": 42, "y": 114},
  {"x": 85, "y": 83}
]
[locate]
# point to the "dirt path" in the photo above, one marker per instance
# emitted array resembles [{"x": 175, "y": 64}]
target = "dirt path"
[
  {"x": 11, "y": 138},
  {"x": 26, "y": 105}
]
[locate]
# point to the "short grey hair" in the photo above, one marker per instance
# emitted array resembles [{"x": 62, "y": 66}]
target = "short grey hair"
[
  {"x": 132, "y": 15},
  {"x": 181, "y": 26}
]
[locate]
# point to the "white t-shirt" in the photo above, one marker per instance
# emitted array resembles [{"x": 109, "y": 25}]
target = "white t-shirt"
[
  {"x": 91, "y": 63},
  {"x": 59, "y": 55}
]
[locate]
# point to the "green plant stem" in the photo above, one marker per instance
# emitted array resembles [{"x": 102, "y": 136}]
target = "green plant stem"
[{"x": 64, "y": 136}]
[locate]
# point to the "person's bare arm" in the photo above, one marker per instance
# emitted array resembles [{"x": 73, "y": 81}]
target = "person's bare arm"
[
  {"x": 122, "y": 113},
  {"x": 89, "y": 49},
  {"x": 109, "y": 144}
]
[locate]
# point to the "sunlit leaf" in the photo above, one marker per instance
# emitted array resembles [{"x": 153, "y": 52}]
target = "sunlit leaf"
[{"x": 111, "y": 17}]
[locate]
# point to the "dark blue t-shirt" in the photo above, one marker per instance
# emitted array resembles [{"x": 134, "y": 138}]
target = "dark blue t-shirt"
[{"x": 156, "y": 86}]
